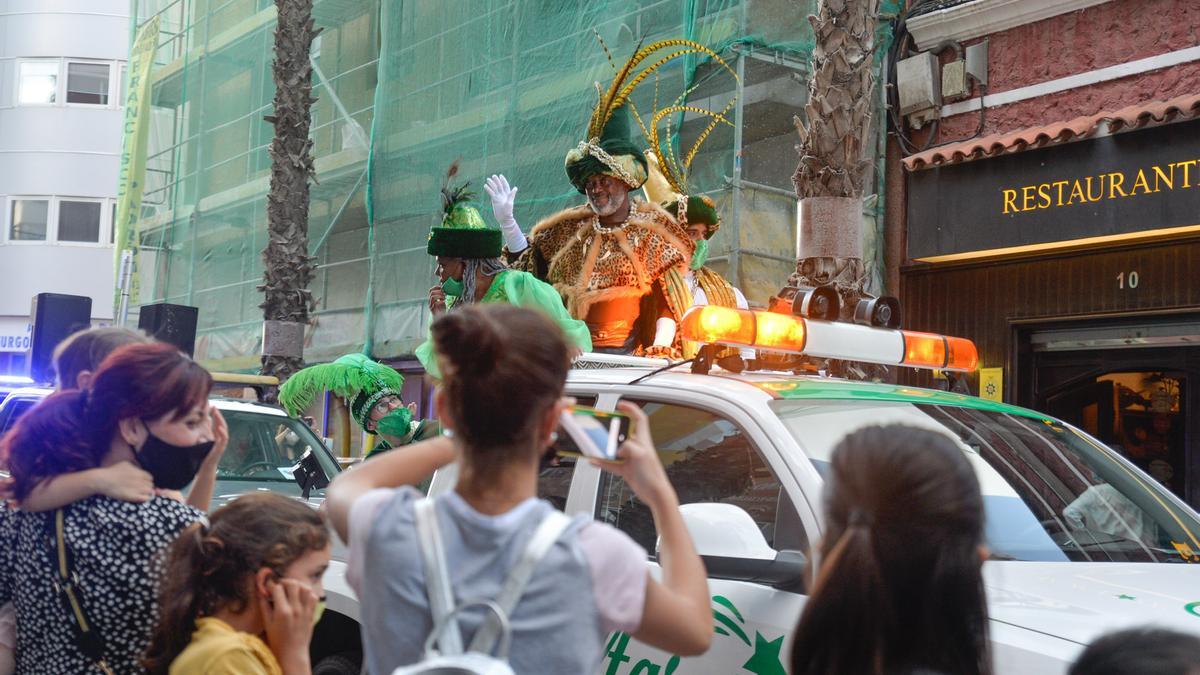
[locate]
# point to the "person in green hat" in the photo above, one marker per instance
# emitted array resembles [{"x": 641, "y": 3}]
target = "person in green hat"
[
  {"x": 470, "y": 271},
  {"x": 606, "y": 258},
  {"x": 372, "y": 392},
  {"x": 697, "y": 285}
]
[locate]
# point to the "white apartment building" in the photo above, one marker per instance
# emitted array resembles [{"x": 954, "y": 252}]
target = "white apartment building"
[{"x": 62, "y": 75}]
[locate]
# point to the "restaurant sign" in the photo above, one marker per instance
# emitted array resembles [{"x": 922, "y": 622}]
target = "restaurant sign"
[{"x": 1127, "y": 185}]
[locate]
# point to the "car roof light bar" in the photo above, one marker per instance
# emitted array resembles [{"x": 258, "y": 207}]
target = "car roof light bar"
[{"x": 772, "y": 331}]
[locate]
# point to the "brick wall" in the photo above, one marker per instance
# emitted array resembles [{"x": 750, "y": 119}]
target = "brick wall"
[{"x": 1097, "y": 37}]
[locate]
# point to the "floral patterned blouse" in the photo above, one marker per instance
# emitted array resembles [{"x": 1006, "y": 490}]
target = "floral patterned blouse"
[{"x": 116, "y": 552}]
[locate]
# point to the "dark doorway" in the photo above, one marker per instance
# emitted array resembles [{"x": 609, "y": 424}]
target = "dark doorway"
[{"x": 1141, "y": 400}]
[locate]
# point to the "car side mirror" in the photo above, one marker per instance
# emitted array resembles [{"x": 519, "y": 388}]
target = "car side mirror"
[
  {"x": 732, "y": 547},
  {"x": 309, "y": 474}
]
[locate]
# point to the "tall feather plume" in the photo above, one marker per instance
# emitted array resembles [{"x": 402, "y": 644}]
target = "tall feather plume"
[
  {"x": 454, "y": 195},
  {"x": 674, "y": 168},
  {"x": 604, "y": 111}
]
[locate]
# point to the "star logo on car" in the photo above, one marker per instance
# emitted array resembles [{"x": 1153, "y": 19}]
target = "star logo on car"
[{"x": 765, "y": 660}]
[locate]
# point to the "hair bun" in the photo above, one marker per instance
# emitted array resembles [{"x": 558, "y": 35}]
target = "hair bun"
[{"x": 469, "y": 341}]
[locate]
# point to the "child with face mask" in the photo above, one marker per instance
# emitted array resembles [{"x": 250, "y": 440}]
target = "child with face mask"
[{"x": 242, "y": 592}]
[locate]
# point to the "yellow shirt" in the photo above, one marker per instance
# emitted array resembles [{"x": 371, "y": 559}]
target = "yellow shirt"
[{"x": 217, "y": 649}]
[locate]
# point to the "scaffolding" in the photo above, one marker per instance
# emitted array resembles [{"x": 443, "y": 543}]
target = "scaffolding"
[{"x": 404, "y": 88}]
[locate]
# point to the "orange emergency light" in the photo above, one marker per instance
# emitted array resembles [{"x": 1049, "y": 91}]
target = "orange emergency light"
[{"x": 773, "y": 331}]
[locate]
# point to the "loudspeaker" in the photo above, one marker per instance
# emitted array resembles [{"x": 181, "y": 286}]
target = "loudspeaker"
[
  {"x": 175, "y": 324},
  {"x": 55, "y": 316}
]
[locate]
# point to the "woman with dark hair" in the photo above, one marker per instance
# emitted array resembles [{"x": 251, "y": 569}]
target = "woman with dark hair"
[
  {"x": 898, "y": 586},
  {"x": 148, "y": 405},
  {"x": 240, "y": 594},
  {"x": 504, "y": 370}
]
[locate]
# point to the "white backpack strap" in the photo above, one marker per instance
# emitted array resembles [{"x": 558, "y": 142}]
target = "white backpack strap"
[
  {"x": 548, "y": 532},
  {"x": 437, "y": 577}
]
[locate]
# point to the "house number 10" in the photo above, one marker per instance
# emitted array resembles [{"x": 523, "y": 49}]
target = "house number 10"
[{"x": 1127, "y": 280}]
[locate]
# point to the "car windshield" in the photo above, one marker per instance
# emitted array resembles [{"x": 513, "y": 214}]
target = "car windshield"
[
  {"x": 1050, "y": 492},
  {"x": 265, "y": 447}
]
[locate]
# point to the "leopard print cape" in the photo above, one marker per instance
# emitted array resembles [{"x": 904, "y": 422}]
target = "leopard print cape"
[{"x": 588, "y": 266}]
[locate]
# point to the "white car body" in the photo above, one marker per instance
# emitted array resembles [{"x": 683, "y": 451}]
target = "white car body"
[{"x": 1042, "y": 614}]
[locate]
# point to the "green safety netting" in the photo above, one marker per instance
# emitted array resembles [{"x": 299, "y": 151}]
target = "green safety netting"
[{"x": 404, "y": 88}]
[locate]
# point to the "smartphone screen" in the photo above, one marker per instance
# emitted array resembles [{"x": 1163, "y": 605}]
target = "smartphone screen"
[{"x": 591, "y": 433}]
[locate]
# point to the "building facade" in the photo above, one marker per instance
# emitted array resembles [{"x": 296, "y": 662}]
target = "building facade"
[
  {"x": 405, "y": 88},
  {"x": 62, "y": 69},
  {"x": 1048, "y": 211}
]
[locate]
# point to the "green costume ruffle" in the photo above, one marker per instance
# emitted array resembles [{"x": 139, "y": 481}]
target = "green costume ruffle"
[{"x": 522, "y": 289}]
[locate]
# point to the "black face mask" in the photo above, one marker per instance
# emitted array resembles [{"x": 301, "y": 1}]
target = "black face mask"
[{"x": 171, "y": 466}]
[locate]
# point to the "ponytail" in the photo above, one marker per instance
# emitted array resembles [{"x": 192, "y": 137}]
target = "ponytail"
[
  {"x": 180, "y": 597},
  {"x": 845, "y": 600},
  {"x": 900, "y": 588},
  {"x": 49, "y": 440}
]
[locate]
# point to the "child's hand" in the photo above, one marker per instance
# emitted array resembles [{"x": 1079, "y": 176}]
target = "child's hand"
[
  {"x": 288, "y": 615},
  {"x": 124, "y": 481}
]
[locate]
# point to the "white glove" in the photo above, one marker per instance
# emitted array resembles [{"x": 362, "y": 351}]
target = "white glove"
[
  {"x": 503, "y": 198},
  {"x": 664, "y": 332}
]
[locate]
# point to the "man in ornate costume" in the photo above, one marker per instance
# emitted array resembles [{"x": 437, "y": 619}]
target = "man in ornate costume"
[
  {"x": 606, "y": 258},
  {"x": 372, "y": 393},
  {"x": 470, "y": 270}
]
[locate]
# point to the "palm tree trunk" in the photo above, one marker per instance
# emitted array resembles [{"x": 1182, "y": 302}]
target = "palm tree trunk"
[
  {"x": 287, "y": 267},
  {"x": 833, "y": 139}
]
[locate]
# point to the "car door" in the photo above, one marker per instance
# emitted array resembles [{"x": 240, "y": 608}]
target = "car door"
[{"x": 712, "y": 460}]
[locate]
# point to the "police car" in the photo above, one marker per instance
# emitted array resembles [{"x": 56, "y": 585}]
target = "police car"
[{"x": 1082, "y": 541}]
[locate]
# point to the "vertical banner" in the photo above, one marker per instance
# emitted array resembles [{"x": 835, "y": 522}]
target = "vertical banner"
[
  {"x": 991, "y": 384},
  {"x": 133, "y": 156}
]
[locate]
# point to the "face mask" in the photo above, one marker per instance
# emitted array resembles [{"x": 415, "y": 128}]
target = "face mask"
[
  {"x": 318, "y": 611},
  {"x": 396, "y": 423},
  {"x": 453, "y": 287},
  {"x": 701, "y": 255},
  {"x": 171, "y": 466}
]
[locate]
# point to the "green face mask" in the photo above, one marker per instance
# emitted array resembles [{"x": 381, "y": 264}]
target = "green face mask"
[
  {"x": 701, "y": 255},
  {"x": 453, "y": 287},
  {"x": 318, "y": 611},
  {"x": 396, "y": 423}
]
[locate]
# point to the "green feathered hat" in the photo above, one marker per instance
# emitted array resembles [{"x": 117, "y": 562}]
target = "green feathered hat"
[
  {"x": 608, "y": 147},
  {"x": 700, "y": 209},
  {"x": 612, "y": 153},
  {"x": 357, "y": 378},
  {"x": 463, "y": 232}
]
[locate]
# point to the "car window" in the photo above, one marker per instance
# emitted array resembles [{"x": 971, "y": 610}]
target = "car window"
[
  {"x": 11, "y": 412},
  {"x": 708, "y": 459},
  {"x": 555, "y": 474},
  {"x": 1050, "y": 493},
  {"x": 266, "y": 447}
]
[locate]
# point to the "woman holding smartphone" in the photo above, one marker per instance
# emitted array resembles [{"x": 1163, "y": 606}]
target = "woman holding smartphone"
[{"x": 504, "y": 370}]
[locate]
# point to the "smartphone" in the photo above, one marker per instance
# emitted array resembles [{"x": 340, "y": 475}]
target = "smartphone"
[{"x": 587, "y": 432}]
